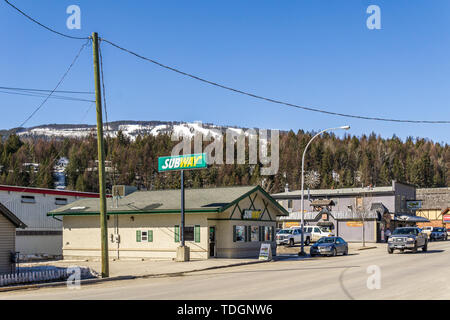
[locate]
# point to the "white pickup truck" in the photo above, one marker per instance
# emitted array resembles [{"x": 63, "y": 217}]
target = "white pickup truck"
[
  {"x": 292, "y": 236},
  {"x": 316, "y": 232}
]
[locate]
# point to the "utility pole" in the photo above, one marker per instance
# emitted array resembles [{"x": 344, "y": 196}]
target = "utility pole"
[{"x": 101, "y": 160}]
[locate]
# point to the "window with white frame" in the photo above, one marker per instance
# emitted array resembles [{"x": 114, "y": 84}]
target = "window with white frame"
[{"x": 144, "y": 235}]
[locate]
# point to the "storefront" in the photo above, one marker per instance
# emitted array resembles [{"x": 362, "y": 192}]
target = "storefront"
[
  {"x": 349, "y": 225},
  {"x": 220, "y": 222}
]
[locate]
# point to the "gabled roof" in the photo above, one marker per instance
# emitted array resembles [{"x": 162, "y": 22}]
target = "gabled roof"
[
  {"x": 4, "y": 211},
  {"x": 379, "y": 207},
  {"x": 207, "y": 200}
]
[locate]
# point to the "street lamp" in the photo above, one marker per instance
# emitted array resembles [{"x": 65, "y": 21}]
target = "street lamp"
[{"x": 302, "y": 252}]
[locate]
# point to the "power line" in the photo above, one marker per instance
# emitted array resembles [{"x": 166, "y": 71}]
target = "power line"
[
  {"x": 44, "y": 26},
  {"x": 42, "y": 95},
  {"x": 57, "y": 85},
  {"x": 44, "y": 90},
  {"x": 58, "y": 155},
  {"x": 236, "y": 90},
  {"x": 269, "y": 99}
]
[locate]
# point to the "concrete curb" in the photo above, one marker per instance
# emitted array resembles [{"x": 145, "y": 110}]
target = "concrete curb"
[
  {"x": 174, "y": 274},
  {"x": 61, "y": 283},
  {"x": 366, "y": 248},
  {"x": 129, "y": 277}
]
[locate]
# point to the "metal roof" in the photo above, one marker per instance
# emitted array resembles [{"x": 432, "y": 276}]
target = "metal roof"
[
  {"x": 331, "y": 192},
  {"x": 49, "y": 191},
  {"x": 167, "y": 201},
  {"x": 336, "y": 215}
]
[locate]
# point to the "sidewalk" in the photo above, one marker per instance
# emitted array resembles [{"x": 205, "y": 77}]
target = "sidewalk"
[
  {"x": 130, "y": 269},
  {"x": 149, "y": 268}
]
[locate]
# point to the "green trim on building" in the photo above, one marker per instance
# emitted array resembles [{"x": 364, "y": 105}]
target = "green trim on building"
[
  {"x": 111, "y": 213},
  {"x": 216, "y": 209},
  {"x": 230, "y": 219}
]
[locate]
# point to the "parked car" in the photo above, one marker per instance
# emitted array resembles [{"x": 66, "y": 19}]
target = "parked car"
[
  {"x": 407, "y": 238},
  {"x": 330, "y": 246},
  {"x": 438, "y": 233},
  {"x": 317, "y": 232},
  {"x": 306, "y": 236},
  {"x": 427, "y": 230},
  {"x": 289, "y": 237}
]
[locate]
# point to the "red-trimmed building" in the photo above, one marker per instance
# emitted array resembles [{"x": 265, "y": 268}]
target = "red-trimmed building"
[{"x": 43, "y": 235}]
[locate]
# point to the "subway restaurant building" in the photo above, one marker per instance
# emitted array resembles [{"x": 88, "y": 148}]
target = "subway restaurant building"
[{"x": 227, "y": 222}]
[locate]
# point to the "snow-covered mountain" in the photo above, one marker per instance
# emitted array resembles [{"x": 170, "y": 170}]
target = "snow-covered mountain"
[{"x": 130, "y": 129}]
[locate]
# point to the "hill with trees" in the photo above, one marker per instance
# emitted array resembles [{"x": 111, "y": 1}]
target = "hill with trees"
[{"x": 331, "y": 162}]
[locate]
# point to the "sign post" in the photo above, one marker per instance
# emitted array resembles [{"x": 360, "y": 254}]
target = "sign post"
[
  {"x": 181, "y": 163},
  {"x": 182, "y": 208}
]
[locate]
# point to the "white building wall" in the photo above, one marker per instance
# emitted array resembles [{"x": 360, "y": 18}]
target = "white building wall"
[{"x": 34, "y": 215}]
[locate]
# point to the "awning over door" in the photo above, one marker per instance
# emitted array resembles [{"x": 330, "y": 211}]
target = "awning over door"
[{"x": 407, "y": 218}]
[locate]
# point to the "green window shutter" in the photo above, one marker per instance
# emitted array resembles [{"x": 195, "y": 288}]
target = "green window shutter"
[
  {"x": 150, "y": 236},
  {"x": 261, "y": 237},
  {"x": 177, "y": 233},
  {"x": 249, "y": 230},
  {"x": 138, "y": 235},
  {"x": 197, "y": 233},
  {"x": 272, "y": 237},
  {"x": 234, "y": 233}
]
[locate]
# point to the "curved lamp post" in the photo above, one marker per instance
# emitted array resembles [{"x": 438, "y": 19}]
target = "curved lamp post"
[{"x": 302, "y": 252}]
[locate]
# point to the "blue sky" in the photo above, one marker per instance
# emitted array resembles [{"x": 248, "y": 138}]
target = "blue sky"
[{"x": 312, "y": 53}]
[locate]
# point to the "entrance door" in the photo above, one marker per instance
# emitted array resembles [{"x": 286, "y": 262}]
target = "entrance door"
[{"x": 212, "y": 241}]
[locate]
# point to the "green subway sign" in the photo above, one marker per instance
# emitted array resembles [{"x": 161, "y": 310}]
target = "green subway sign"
[{"x": 184, "y": 162}]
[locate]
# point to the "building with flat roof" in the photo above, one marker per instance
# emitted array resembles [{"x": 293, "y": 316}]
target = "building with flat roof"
[
  {"x": 43, "y": 235},
  {"x": 229, "y": 222},
  {"x": 342, "y": 210}
]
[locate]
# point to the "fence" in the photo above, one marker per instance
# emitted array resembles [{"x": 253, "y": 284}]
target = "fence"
[{"x": 40, "y": 276}]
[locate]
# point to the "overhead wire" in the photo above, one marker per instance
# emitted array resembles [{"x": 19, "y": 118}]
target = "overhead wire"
[
  {"x": 63, "y": 77},
  {"x": 340, "y": 114},
  {"x": 58, "y": 155},
  {"x": 45, "y": 90},
  {"x": 57, "y": 85},
  {"x": 44, "y": 26},
  {"x": 38, "y": 95},
  {"x": 270, "y": 99}
]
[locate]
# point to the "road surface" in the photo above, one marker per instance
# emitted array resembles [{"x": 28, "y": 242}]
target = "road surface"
[{"x": 367, "y": 274}]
